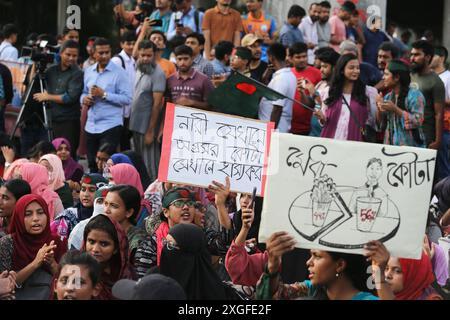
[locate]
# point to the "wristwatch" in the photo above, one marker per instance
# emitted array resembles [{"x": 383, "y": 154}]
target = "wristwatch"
[
  {"x": 271, "y": 275},
  {"x": 105, "y": 95}
]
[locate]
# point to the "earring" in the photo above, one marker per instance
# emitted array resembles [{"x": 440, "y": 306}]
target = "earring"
[{"x": 337, "y": 275}]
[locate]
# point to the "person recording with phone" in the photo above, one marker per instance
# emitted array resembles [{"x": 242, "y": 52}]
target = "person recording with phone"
[
  {"x": 163, "y": 13},
  {"x": 185, "y": 21}
]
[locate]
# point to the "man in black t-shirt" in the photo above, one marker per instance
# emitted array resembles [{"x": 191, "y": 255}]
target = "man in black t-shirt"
[{"x": 257, "y": 67}]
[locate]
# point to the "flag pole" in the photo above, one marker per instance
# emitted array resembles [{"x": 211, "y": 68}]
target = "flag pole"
[{"x": 290, "y": 99}]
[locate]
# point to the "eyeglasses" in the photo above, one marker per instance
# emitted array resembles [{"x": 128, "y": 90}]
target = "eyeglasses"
[
  {"x": 182, "y": 203},
  {"x": 170, "y": 245}
]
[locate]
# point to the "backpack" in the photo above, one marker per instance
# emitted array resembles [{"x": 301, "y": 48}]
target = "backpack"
[
  {"x": 197, "y": 21},
  {"x": 121, "y": 59}
]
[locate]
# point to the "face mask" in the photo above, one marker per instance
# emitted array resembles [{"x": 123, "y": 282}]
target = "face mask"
[
  {"x": 107, "y": 173},
  {"x": 98, "y": 207}
]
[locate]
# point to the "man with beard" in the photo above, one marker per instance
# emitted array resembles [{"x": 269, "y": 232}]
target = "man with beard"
[
  {"x": 308, "y": 27},
  {"x": 188, "y": 87},
  {"x": 146, "y": 107},
  {"x": 432, "y": 88},
  {"x": 257, "y": 67},
  {"x": 323, "y": 26}
]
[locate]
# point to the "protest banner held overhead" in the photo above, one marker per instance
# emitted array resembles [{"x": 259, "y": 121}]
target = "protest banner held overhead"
[
  {"x": 201, "y": 146},
  {"x": 338, "y": 195}
]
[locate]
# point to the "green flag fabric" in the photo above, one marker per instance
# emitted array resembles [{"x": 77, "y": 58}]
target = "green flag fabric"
[{"x": 240, "y": 95}]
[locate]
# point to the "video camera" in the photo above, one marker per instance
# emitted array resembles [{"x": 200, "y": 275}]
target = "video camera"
[{"x": 42, "y": 54}]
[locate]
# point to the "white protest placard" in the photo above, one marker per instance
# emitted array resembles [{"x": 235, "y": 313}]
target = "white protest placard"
[
  {"x": 338, "y": 195},
  {"x": 201, "y": 146}
]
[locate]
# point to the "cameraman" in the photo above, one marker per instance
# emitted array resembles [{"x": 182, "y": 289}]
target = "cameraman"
[
  {"x": 64, "y": 88},
  {"x": 185, "y": 21}
]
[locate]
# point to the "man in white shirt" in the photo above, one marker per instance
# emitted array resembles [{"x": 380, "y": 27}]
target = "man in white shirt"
[
  {"x": 7, "y": 50},
  {"x": 308, "y": 27},
  {"x": 126, "y": 61},
  {"x": 284, "y": 82}
]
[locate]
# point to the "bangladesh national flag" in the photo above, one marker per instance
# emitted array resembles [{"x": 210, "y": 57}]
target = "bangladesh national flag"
[{"x": 240, "y": 95}]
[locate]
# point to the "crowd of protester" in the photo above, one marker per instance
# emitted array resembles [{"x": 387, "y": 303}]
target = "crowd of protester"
[{"x": 116, "y": 223}]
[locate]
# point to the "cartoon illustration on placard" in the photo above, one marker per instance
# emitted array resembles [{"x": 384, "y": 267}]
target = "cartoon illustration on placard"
[{"x": 346, "y": 217}]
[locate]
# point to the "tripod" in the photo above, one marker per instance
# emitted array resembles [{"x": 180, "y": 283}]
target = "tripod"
[{"x": 40, "y": 76}]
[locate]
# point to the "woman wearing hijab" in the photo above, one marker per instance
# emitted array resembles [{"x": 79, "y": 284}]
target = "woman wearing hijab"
[
  {"x": 127, "y": 174},
  {"x": 57, "y": 179},
  {"x": 10, "y": 171},
  {"x": 73, "y": 171},
  {"x": 401, "y": 279},
  {"x": 186, "y": 259},
  {"x": 37, "y": 176},
  {"x": 119, "y": 158},
  {"x": 106, "y": 241},
  {"x": 69, "y": 218},
  {"x": 76, "y": 236},
  {"x": 30, "y": 246}
]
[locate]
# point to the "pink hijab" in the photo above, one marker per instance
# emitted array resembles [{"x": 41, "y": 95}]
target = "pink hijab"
[
  {"x": 8, "y": 175},
  {"x": 37, "y": 176},
  {"x": 124, "y": 173},
  {"x": 58, "y": 171}
]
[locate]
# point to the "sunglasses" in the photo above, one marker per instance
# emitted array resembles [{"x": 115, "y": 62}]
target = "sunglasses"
[{"x": 182, "y": 203}]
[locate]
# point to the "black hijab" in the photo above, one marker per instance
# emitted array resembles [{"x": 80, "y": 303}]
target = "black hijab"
[
  {"x": 191, "y": 266},
  {"x": 140, "y": 167}
]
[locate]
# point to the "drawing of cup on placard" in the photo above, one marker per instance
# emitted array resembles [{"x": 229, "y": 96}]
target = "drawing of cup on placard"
[
  {"x": 322, "y": 197},
  {"x": 320, "y": 212},
  {"x": 366, "y": 213}
]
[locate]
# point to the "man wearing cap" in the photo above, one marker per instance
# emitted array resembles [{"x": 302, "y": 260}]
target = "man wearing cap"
[
  {"x": 257, "y": 66},
  {"x": 337, "y": 23},
  {"x": 151, "y": 287},
  {"x": 240, "y": 60},
  {"x": 178, "y": 207}
]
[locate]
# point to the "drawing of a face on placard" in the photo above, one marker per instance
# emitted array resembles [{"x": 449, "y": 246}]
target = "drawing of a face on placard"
[
  {"x": 359, "y": 212},
  {"x": 339, "y": 195}
]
